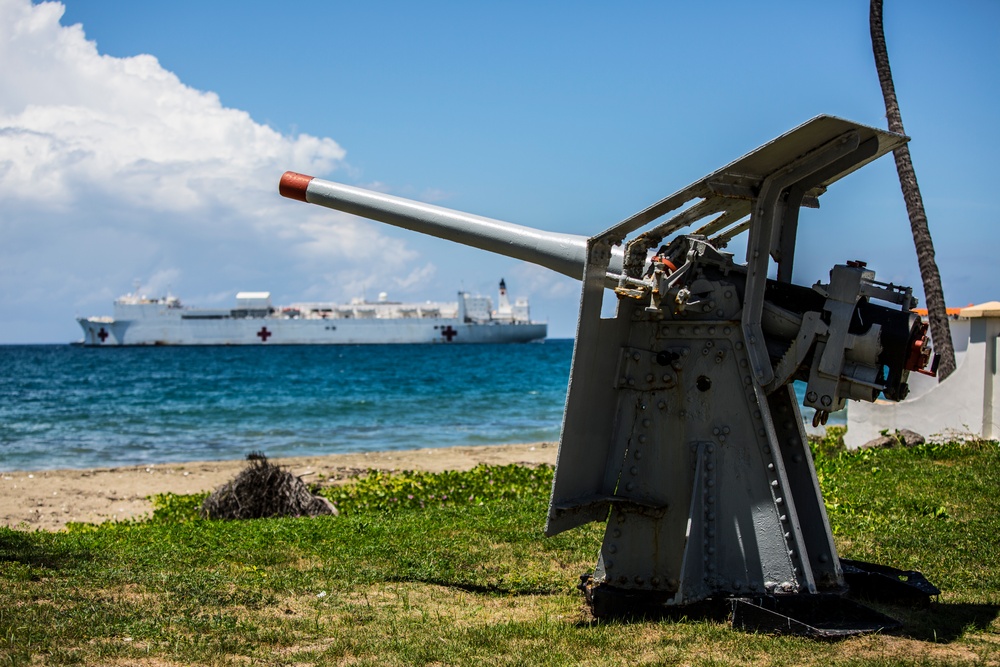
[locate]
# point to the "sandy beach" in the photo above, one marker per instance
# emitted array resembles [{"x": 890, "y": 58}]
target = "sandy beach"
[{"x": 49, "y": 499}]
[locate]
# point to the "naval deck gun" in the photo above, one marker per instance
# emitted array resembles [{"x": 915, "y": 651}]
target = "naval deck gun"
[{"x": 682, "y": 430}]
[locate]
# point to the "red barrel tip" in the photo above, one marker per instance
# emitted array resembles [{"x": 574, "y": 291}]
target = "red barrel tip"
[{"x": 293, "y": 185}]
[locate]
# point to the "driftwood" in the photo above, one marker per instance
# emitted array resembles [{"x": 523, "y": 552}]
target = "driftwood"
[{"x": 263, "y": 490}]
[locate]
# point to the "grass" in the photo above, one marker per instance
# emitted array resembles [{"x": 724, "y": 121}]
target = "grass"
[{"x": 452, "y": 569}]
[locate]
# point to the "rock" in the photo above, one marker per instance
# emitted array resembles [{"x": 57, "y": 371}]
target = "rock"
[
  {"x": 910, "y": 438},
  {"x": 901, "y": 438},
  {"x": 881, "y": 442}
]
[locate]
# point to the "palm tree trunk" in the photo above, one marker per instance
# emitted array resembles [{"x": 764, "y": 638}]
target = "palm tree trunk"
[{"x": 933, "y": 291}]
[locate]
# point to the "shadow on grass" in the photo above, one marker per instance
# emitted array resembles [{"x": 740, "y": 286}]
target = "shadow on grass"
[
  {"x": 38, "y": 550},
  {"x": 945, "y": 622}
]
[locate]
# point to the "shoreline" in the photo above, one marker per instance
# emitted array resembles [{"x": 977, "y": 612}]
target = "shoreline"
[{"x": 49, "y": 499}]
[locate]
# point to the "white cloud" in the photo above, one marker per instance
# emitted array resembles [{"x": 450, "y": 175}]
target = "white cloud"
[{"x": 112, "y": 169}]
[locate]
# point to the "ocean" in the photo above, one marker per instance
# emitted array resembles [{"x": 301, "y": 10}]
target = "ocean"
[{"x": 65, "y": 406}]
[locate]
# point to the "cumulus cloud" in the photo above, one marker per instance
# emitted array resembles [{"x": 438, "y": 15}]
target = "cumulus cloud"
[
  {"x": 86, "y": 123},
  {"x": 111, "y": 169}
]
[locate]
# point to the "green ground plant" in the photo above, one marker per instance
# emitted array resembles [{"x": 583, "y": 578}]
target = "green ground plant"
[{"x": 452, "y": 569}]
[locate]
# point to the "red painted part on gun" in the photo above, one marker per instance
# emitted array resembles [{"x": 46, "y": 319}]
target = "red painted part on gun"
[{"x": 293, "y": 185}]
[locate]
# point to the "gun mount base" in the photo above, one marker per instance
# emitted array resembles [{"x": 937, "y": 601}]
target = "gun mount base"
[{"x": 821, "y": 616}]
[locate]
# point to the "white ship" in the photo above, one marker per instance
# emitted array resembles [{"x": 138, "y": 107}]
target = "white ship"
[{"x": 139, "y": 320}]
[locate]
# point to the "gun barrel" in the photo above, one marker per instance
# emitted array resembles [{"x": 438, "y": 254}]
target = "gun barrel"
[{"x": 565, "y": 253}]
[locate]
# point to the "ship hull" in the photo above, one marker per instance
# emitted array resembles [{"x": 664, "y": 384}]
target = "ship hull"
[{"x": 107, "y": 332}]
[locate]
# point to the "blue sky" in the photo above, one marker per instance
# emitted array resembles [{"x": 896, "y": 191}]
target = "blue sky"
[{"x": 144, "y": 141}]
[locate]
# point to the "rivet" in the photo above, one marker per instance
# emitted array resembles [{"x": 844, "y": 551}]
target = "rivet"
[
  {"x": 710, "y": 500},
  {"x": 779, "y": 500},
  {"x": 646, "y": 423},
  {"x": 631, "y": 382},
  {"x": 727, "y": 331},
  {"x": 710, "y": 448},
  {"x": 774, "y": 483},
  {"x": 630, "y": 486},
  {"x": 616, "y": 533},
  {"x": 770, "y": 466},
  {"x": 710, "y": 482},
  {"x": 612, "y": 548},
  {"x": 697, "y": 330},
  {"x": 643, "y": 438},
  {"x": 716, "y": 431},
  {"x": 725, "y": 429},
  {"x": 638, "y": 454},
  {"x": 783, "y": 517},
  {"x": 710, "y": 466},
  {"x": 650, "y": 377},
  {"x": 823, "y": 558},
  {"x": 639, "y": 580},
  {"x": 634, "y": 470},
  {"x": 655, "y": 581},
  {"x": 797, "y": 458},
  {"x": 662, "y": 405},
  {"x": 636, "y": 356},
  {"x": 791, "y": 552},
  {"x": 608, "y": 564},
  {"x": 710, "y": 516},
  {"x": 739, "y": 345},
  {"x": 722, "y": 438}
]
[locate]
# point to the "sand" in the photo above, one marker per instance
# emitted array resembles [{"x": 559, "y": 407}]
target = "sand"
[{"x": 49, "y": 499}]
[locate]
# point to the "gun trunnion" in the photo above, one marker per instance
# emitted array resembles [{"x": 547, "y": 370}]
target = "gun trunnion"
[{"x": 682, "y": 430}]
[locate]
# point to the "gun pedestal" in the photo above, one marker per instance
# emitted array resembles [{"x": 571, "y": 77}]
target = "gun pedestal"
[{"x": 682, "y": 429}]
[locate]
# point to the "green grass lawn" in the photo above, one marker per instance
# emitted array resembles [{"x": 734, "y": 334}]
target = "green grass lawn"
[{"x": 452, "y": 569}]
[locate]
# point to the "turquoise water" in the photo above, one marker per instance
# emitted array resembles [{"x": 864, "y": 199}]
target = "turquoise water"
[{"x": 73, "y": 407}]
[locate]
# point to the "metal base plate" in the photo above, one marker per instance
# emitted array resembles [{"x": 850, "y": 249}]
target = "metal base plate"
[{"x": 820, "y": 616}]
